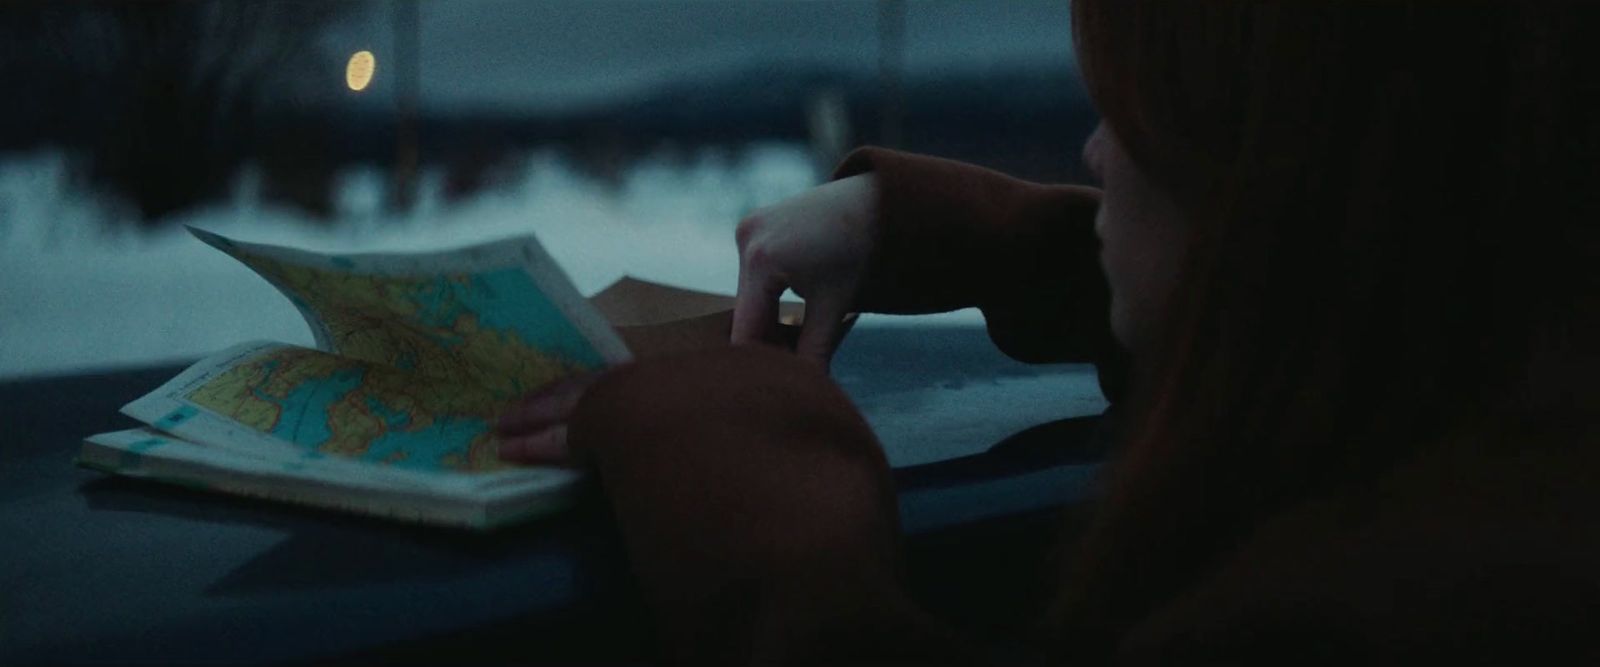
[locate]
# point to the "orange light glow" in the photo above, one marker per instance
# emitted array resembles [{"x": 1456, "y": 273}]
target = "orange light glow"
[{"x": 358, "y": 72}]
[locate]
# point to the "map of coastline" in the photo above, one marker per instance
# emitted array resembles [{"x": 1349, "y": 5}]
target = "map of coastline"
[
  {"x": 493, "y": 327},
  {"x": 419, "y": 367},
  {"x": 331, "y": 405}
]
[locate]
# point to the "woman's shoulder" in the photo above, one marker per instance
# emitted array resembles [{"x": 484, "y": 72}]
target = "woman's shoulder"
[{"x": 1476, "y": 553}]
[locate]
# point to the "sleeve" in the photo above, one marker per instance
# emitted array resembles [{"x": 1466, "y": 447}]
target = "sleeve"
[
  {"x": 757, "y": 509},
  {"x": 955, "y": 235}
]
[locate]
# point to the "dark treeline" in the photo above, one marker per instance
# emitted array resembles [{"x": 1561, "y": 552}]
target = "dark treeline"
[
  {"x": 160, "y": 103},
  {"x": 157, "y": 101}
]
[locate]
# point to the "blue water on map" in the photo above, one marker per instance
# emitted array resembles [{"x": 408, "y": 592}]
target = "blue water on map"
[
  {"x": 392, "y": 419},
  {"x": 423, "y": 448},
  {"x": 505, "y": 300},
  {"x": 509, "y": 300},
  {"x": 304, "y": 420}
]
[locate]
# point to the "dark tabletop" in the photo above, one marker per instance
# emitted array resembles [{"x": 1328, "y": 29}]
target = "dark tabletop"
[{"x": 103, "y": 569}]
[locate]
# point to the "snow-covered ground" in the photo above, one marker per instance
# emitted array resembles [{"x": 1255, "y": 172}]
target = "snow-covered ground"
[{"x": 81, "y": 287}]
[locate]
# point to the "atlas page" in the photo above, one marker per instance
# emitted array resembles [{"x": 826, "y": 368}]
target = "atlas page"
[{"x": 417, "y": 355}]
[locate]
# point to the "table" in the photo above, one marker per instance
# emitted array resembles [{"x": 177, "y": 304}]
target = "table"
[{"x": 96, "y": 568}]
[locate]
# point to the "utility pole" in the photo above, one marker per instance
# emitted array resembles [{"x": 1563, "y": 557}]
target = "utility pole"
[
  {"x": 407, "y": 79},
  {"x": 891, "y": 66}
]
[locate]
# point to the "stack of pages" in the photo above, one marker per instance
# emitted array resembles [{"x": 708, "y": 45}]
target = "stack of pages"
[{"x": 392, "y": 413}]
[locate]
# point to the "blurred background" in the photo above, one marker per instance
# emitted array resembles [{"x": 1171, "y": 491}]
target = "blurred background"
[{"x": 630, "y": 136}]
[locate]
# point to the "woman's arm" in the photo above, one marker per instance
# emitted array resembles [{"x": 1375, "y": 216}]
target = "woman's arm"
[
  {"x": 902, "y": 233},
  {"x": 952, "y": 235},
  {"x": 757, "y": 510}
]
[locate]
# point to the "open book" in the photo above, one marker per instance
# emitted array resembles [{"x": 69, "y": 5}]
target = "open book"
[{"x": 393, "y": 412}]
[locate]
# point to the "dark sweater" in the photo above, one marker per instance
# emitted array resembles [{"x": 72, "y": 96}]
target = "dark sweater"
[{"x": 760, "y": 519}]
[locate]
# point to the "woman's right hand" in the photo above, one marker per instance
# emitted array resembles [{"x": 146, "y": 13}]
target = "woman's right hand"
[{"x": 816, "y": 243}]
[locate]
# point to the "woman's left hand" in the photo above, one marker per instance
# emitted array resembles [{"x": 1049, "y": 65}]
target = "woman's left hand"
[{"x": 534, "y": 431}]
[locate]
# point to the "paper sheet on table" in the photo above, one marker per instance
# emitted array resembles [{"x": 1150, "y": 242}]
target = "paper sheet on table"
[{"x": 654, "y": 319}]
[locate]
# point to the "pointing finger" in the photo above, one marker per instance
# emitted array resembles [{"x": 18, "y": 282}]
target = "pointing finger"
[
  {"x": 824, "y": 326},
  {"x": 550, "y": 405},
  {"x": 755, "y": 308}
]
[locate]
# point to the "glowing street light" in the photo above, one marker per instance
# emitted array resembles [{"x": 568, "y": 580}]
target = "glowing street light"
[{"x": 358, "y": 72}]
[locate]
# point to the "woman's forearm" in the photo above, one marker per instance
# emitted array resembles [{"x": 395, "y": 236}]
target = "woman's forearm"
[{"x": 955, "y": 235}]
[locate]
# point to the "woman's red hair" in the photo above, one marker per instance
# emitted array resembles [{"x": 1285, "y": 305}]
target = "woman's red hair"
[{"x": 1395, "y": 248}]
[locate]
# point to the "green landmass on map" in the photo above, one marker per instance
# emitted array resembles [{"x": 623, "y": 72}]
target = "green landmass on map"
[
  {"x": 490, "y": 329},
  {"x": 419, "y": 369},
  {"x": 334, "y": 405}
]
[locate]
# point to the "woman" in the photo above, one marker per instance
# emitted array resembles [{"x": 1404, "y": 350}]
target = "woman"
[{"x": 1351, "y": 248}]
